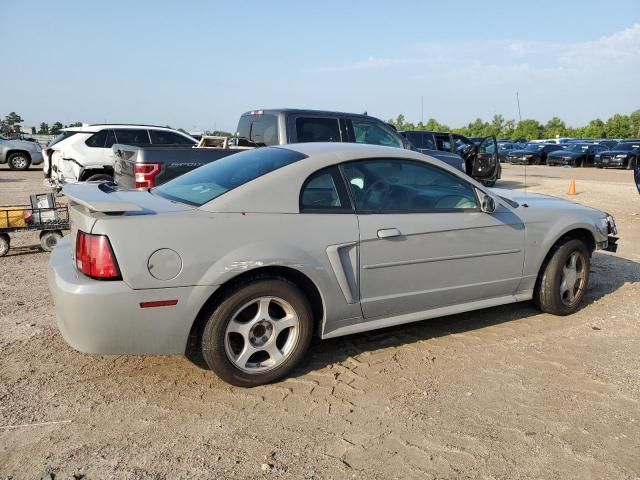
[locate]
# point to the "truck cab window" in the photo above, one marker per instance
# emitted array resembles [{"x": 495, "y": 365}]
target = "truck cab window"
[{"x": 315, "y": 129}]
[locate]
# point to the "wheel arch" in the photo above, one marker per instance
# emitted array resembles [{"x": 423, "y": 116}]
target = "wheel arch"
[
  {"x": 17, "y": 150},
  {"x": 89, "y": 171},
  {"x": 577, "y": 233},
  {"x": 298, "y": 278}
]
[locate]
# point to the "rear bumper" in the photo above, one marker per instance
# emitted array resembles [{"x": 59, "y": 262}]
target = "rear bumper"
[{"x": 103, "y": 317}]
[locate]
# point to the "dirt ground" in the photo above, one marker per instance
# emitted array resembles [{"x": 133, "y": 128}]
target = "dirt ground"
[{"x": 502, "y": 393}]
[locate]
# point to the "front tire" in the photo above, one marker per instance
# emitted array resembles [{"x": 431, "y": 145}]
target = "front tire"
[
  {"x": 19, "y": 161},
  {"x": 258, "y": 333},
  {"x": 563, "y": 282}
]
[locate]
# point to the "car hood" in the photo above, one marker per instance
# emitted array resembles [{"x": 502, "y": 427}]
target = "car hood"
[
  {"x": 565, "y": 153},
  {"x": 540, "y": 201},
  {"x": 25, "y": 145},
  {"x": 524, "y": 152}
]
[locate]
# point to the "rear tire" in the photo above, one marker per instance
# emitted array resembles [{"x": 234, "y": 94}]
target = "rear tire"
[
  {"x": 49, "y": 239},
  {"x": 5, "y": 244},
  {"x": 19, "y": 161},
  {"x": 100, "y": 177},
  {"x": 564, "y": 279},
  {"x": 243, "y": 342}
]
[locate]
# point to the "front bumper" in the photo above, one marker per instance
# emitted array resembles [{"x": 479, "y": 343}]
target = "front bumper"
[
  {"x": 611, "y": 163},
  {"x": 105, "y": 317}
]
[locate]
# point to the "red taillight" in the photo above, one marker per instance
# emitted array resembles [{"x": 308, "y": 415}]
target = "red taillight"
[
  {"x": 95, "y": 258},
  {"x": 145, "y": 174}
]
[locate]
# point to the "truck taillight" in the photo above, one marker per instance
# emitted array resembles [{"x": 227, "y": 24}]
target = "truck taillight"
[
  {"x": 145, "y": 174},
  {"x": 95, "y": 258}
]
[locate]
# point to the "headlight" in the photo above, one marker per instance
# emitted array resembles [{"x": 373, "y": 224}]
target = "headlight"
[
  {"x": 598, "y": 156},
  {"x": 607, "y": 226},
  {"x": 613, "y": 229},
  {"x": 622, "y": 155}
]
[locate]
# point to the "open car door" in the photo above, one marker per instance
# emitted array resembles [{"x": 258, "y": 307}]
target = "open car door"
[{"x": 486, "y": 164}]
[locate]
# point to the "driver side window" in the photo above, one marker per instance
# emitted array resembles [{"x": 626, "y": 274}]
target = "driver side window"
[{"x": 406, "y": 186}]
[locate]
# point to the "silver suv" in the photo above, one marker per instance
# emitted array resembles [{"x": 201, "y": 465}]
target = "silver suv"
[{"x": 19, "y": 154}]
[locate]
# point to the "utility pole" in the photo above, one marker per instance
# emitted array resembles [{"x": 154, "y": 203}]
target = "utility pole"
[
  {"x": 422, "y": 109},
  {"x": 518, "y": 100}
]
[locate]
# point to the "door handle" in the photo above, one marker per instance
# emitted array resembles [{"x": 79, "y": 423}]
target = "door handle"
[{"x": 388, "y": 233}]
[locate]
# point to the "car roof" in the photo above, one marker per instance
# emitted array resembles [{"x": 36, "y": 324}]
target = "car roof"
[
  {"x": 274, "y": 111},
  {"x": 257, "y": 195},
  {"x": 96, "y": 127}
]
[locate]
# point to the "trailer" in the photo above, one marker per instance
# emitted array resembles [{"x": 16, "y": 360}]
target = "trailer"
[{"x": 42, "y": 215}]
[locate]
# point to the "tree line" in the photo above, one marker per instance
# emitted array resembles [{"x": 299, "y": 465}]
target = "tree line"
[
  {"x": 11, "y": 124},
  {"x": 618, "y": 126}
]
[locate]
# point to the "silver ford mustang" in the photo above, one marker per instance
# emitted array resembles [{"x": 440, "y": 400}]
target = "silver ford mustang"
[{"x": 248, "y": 257}]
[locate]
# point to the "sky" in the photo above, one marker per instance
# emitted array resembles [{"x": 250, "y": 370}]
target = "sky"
[{"x": 199, "y": 65}]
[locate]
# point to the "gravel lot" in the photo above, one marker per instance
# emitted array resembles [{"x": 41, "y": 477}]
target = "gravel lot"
[{"x": 504, "y": 392}]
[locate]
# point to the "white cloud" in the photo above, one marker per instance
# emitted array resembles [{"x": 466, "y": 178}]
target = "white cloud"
[{"x": 464, "y": 80}]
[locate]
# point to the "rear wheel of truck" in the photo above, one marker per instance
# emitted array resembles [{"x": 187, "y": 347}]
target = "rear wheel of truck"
[
  {"x": 100, "y": 177},
  {"x": 19, "y": 161},
  {"x": 5, "y": 243},
  {"x": 49, "y": 239}
]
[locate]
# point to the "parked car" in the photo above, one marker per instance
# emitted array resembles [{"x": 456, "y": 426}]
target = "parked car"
[
  {"x": 532, "y": 154},
  {"x": 85, "y": 154},
  {"x": 19, "y": 154},
  {"x": 623, "y": 155},
  {"x": 505, "y": 148},
  {"x": 260, "y": 128},
  {"x": 249, "y": 256},
  {"x": 575, "y": 154},
  {"x": 479, "y": 160}
]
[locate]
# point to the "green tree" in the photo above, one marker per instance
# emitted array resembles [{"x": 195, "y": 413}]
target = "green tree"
[
  {"x": 44, "y": 129},
  {"x": 497, "y": 125},
  {"x": 618, "y": 126},
  {"x": 74, "y": 124},
  {"x": 634, "y": 121},
  {"x": 555, "y": 127},
  {"x": 529, "y": 128},
  {"x": 33, "y": 130},
  {"x": 55, "y": 128},
  {"x": 509, "y": 128},
  {"x": 595, "y": 129},
  {"x": 13, "y": 121}
]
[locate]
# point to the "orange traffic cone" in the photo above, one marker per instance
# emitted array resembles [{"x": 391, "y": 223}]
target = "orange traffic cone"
[{"x": 572, "y": 188}]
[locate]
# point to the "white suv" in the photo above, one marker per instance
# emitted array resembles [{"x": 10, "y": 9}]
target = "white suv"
[{"x": 84, "y": 153}]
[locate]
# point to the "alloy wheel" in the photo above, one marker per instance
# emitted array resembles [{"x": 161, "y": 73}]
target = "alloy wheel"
[{"x": 262, "y": 334}]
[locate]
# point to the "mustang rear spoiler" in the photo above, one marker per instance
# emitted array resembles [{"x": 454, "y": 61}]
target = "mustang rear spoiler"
[{"x": 99, "y": 197}]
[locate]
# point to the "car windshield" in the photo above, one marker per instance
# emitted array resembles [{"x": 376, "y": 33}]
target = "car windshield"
[
  {"x": 576, "y": 147},
  {"x": 626, "y": 146},
  {"x": 210, "y": 181},
  {"x": 533, "y": 147},
  {"x": 61, "y": 137}
]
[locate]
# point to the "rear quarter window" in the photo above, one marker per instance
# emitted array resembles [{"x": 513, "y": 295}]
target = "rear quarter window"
[
  {"x": 258, "y": 130},
  {"x": 217, "y": 178}
]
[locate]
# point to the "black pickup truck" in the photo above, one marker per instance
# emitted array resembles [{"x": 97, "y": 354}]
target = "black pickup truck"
[{"x": 145, "y": 167}]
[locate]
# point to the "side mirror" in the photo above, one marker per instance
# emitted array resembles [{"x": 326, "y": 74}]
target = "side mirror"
[{"x": 487, "y": 204}]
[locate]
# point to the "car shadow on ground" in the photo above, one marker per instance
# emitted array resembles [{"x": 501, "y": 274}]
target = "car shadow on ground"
[
  {"x": 513, "y": 184},
  {"x": 608, "y": 274}
]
